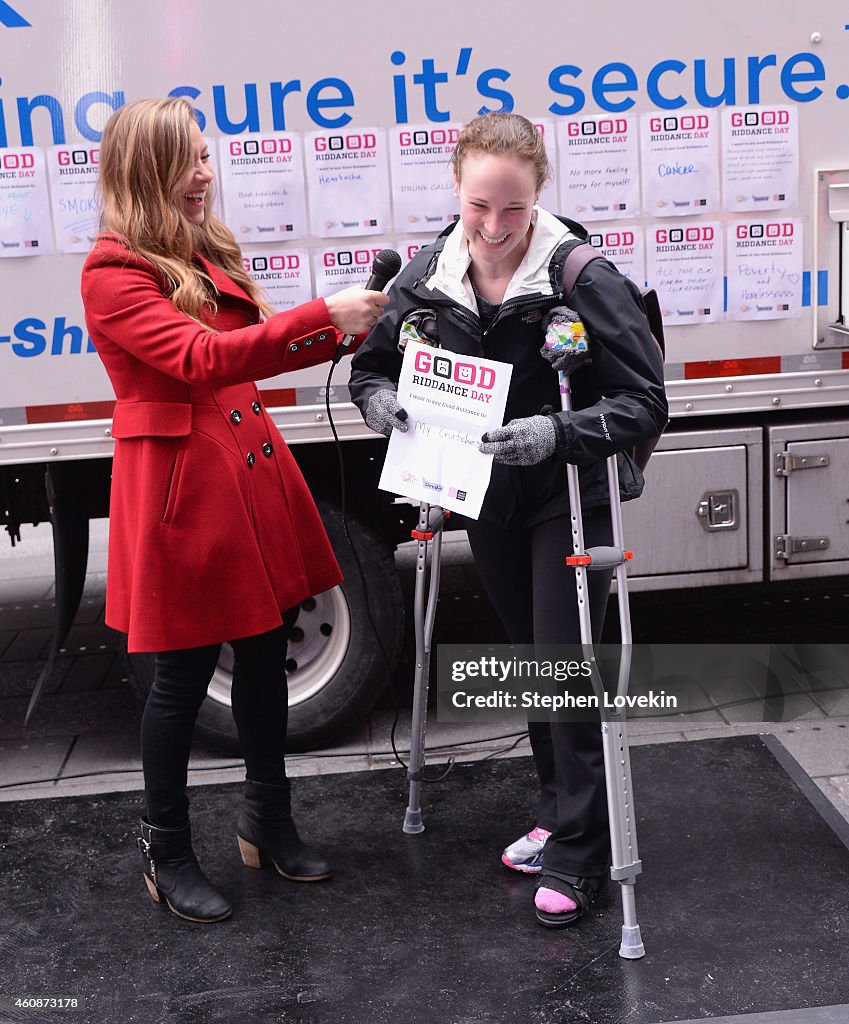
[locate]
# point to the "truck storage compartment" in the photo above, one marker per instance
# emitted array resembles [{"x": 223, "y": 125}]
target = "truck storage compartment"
[
  {"x": 809, "y": 503},
  {"x": 698, "y": 522}
]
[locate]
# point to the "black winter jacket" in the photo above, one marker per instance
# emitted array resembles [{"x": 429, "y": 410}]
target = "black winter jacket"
[{"x": 618, "y": 398}]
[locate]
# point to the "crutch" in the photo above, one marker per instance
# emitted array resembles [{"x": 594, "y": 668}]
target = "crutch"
[
  {"x": 431, "y": 521},
  {"x": 625, "y": 861}
]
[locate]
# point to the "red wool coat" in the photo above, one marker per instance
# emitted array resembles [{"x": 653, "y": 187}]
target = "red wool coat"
[{"x": 213, "y": 532}]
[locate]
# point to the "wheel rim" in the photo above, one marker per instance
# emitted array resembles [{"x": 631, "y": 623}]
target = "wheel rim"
[{"x": 317, "y": 648}]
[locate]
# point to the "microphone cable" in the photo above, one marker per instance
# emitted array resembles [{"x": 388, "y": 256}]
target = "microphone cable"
[
  {"x": 386, "y": 265},
  {"x": 343, "y": 507}
]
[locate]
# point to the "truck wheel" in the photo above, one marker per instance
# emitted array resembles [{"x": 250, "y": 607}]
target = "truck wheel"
[{"x": 335, "y": 667}]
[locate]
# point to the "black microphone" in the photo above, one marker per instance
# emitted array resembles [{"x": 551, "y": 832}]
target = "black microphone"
[{"x": 386, "y": 265}]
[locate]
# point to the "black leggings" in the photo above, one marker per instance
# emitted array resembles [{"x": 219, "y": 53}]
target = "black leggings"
[
  {"x": 534, "y": 594},
  {"x": 260, "y": 710}
]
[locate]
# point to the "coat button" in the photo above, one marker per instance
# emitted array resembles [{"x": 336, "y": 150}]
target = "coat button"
[
  {"x": 236, "y": 416},
  {"x": 267, "y": 450},
  {"x": 257, "y": 408},
  {"x": 251, "y": 458}
]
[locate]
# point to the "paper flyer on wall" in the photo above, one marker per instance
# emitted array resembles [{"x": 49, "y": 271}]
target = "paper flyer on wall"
[
  {"x": 684, "y": 262},
  {"x": 25, "y": 228},
  {"x": 765, "y": 269},
  {"x": 348, "y": 178},
  {"x": 625, "y": 248},
  {"x": 548, "y": 193},
  {"x": 283, "y": 274},
  {"x": 451, "y": 401},
  {"x": 599, "y": 168},
  {"x": 408, "y": 247},
  {"x": 72, "y": 171},
  {"x": 338, "y": 266},
  {"x": 262, "y": 186},
  {"x": 422, "y": 183},
  {"x": 760, "y": 158},
  {"x": 680, "y": 159}
]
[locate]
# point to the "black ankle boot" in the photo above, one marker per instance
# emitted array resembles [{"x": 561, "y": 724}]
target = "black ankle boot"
[
  {"x": 172, "y": 874},
  {"x": 265, "y": 828}
]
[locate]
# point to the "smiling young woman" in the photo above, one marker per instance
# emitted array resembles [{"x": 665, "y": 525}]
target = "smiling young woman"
[
  {"x": 214, "y": 535},
  {"x": 198, "y": 180},
  {"x": 497, "y": 197},
  {"x": 485, "y": 288}
]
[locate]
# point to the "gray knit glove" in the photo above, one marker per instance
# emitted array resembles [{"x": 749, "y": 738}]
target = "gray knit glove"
[
  {"x": 384, "y": 414},
  {"x": 523, "y": 442}
]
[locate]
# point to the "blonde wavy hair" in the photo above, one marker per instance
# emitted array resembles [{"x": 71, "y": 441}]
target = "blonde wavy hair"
[
  {"x": 502, "y": 134},
  {"x": 145, "y": 155}
]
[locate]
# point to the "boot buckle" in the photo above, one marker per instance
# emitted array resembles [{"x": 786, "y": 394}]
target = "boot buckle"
[{"x": 144, "y": 848}]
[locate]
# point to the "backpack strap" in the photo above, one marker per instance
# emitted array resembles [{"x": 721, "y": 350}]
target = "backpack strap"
[
  {"x": 583, "y": 253},
  {"x": 576, "y": 259}
]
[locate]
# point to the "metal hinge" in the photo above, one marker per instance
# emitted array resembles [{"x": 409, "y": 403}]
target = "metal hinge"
[
  {"x": 786, "y": 545},
  {"x": 786, "y": 462}
]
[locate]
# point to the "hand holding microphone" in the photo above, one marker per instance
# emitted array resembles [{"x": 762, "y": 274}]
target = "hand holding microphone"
[{"x": 354, "y": 310}]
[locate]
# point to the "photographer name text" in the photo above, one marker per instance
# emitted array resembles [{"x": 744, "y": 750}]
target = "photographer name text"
[{"x": 562, "y": 701}]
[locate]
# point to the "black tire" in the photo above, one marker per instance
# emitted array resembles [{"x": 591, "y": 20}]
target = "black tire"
[{"x": 336, "y": 670}]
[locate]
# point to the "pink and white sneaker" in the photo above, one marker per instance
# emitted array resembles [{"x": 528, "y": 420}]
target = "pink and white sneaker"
[{"x": 526, "y": 853}]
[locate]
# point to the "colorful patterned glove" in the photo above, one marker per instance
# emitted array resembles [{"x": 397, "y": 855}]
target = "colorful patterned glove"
[
  {"x": 523, "y": 442},
  {"x": 384, "y": 414},
  {"x": 566, "y": 345}
]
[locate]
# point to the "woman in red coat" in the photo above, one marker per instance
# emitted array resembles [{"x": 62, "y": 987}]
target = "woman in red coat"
[{"x": 214, "y": 536}]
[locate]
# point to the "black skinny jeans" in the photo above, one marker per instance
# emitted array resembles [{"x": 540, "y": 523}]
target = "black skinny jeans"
[
  {"x": 260, "y": 709},
  {"x": 534, "y": 595}
]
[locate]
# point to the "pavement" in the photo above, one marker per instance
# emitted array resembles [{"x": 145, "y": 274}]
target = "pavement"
[{"x": 83, "y": 737}]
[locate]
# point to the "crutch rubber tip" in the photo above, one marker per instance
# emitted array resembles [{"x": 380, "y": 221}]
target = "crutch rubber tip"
[
  {"x": 632, "y": 947},
  {"x": 413, "y": 823}
]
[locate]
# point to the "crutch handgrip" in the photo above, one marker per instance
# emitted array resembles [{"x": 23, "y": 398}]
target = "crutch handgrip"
[{"x": 604, "y": 557}]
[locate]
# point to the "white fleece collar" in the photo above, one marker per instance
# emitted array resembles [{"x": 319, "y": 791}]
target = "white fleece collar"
[{"x": 451, "y": 276}]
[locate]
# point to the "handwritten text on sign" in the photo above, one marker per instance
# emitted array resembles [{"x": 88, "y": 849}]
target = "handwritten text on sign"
[{"x": 451, "y": 401}]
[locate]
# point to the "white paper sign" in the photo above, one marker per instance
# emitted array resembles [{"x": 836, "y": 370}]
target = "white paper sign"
[
  {"x": 451, "y": 401},
  {"x": 599, "y": 168},
  {"x": 765, "y": 269},
  {"x": 342, "y": 265},
  {"x": 680, "y": 156},
  {"x": 760, "y": 158},
  {"x": 283, "y": 274},
  {"x": 684, "y": 264},
  {"x": 72, "y": 171},
  {"x": 25, "y": 228},
  {"x": 422, "y": 183},
  {"x": 549, "y": 190},
  {"x": 348, "y": 180},
  {"x": 408, "y": 247},
  {"x": 262, "y": 186},
  {"x": 625, "y": 247}
]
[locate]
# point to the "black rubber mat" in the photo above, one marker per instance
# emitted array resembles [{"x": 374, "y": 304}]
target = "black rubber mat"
[{"x": 743, "y": 904}]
